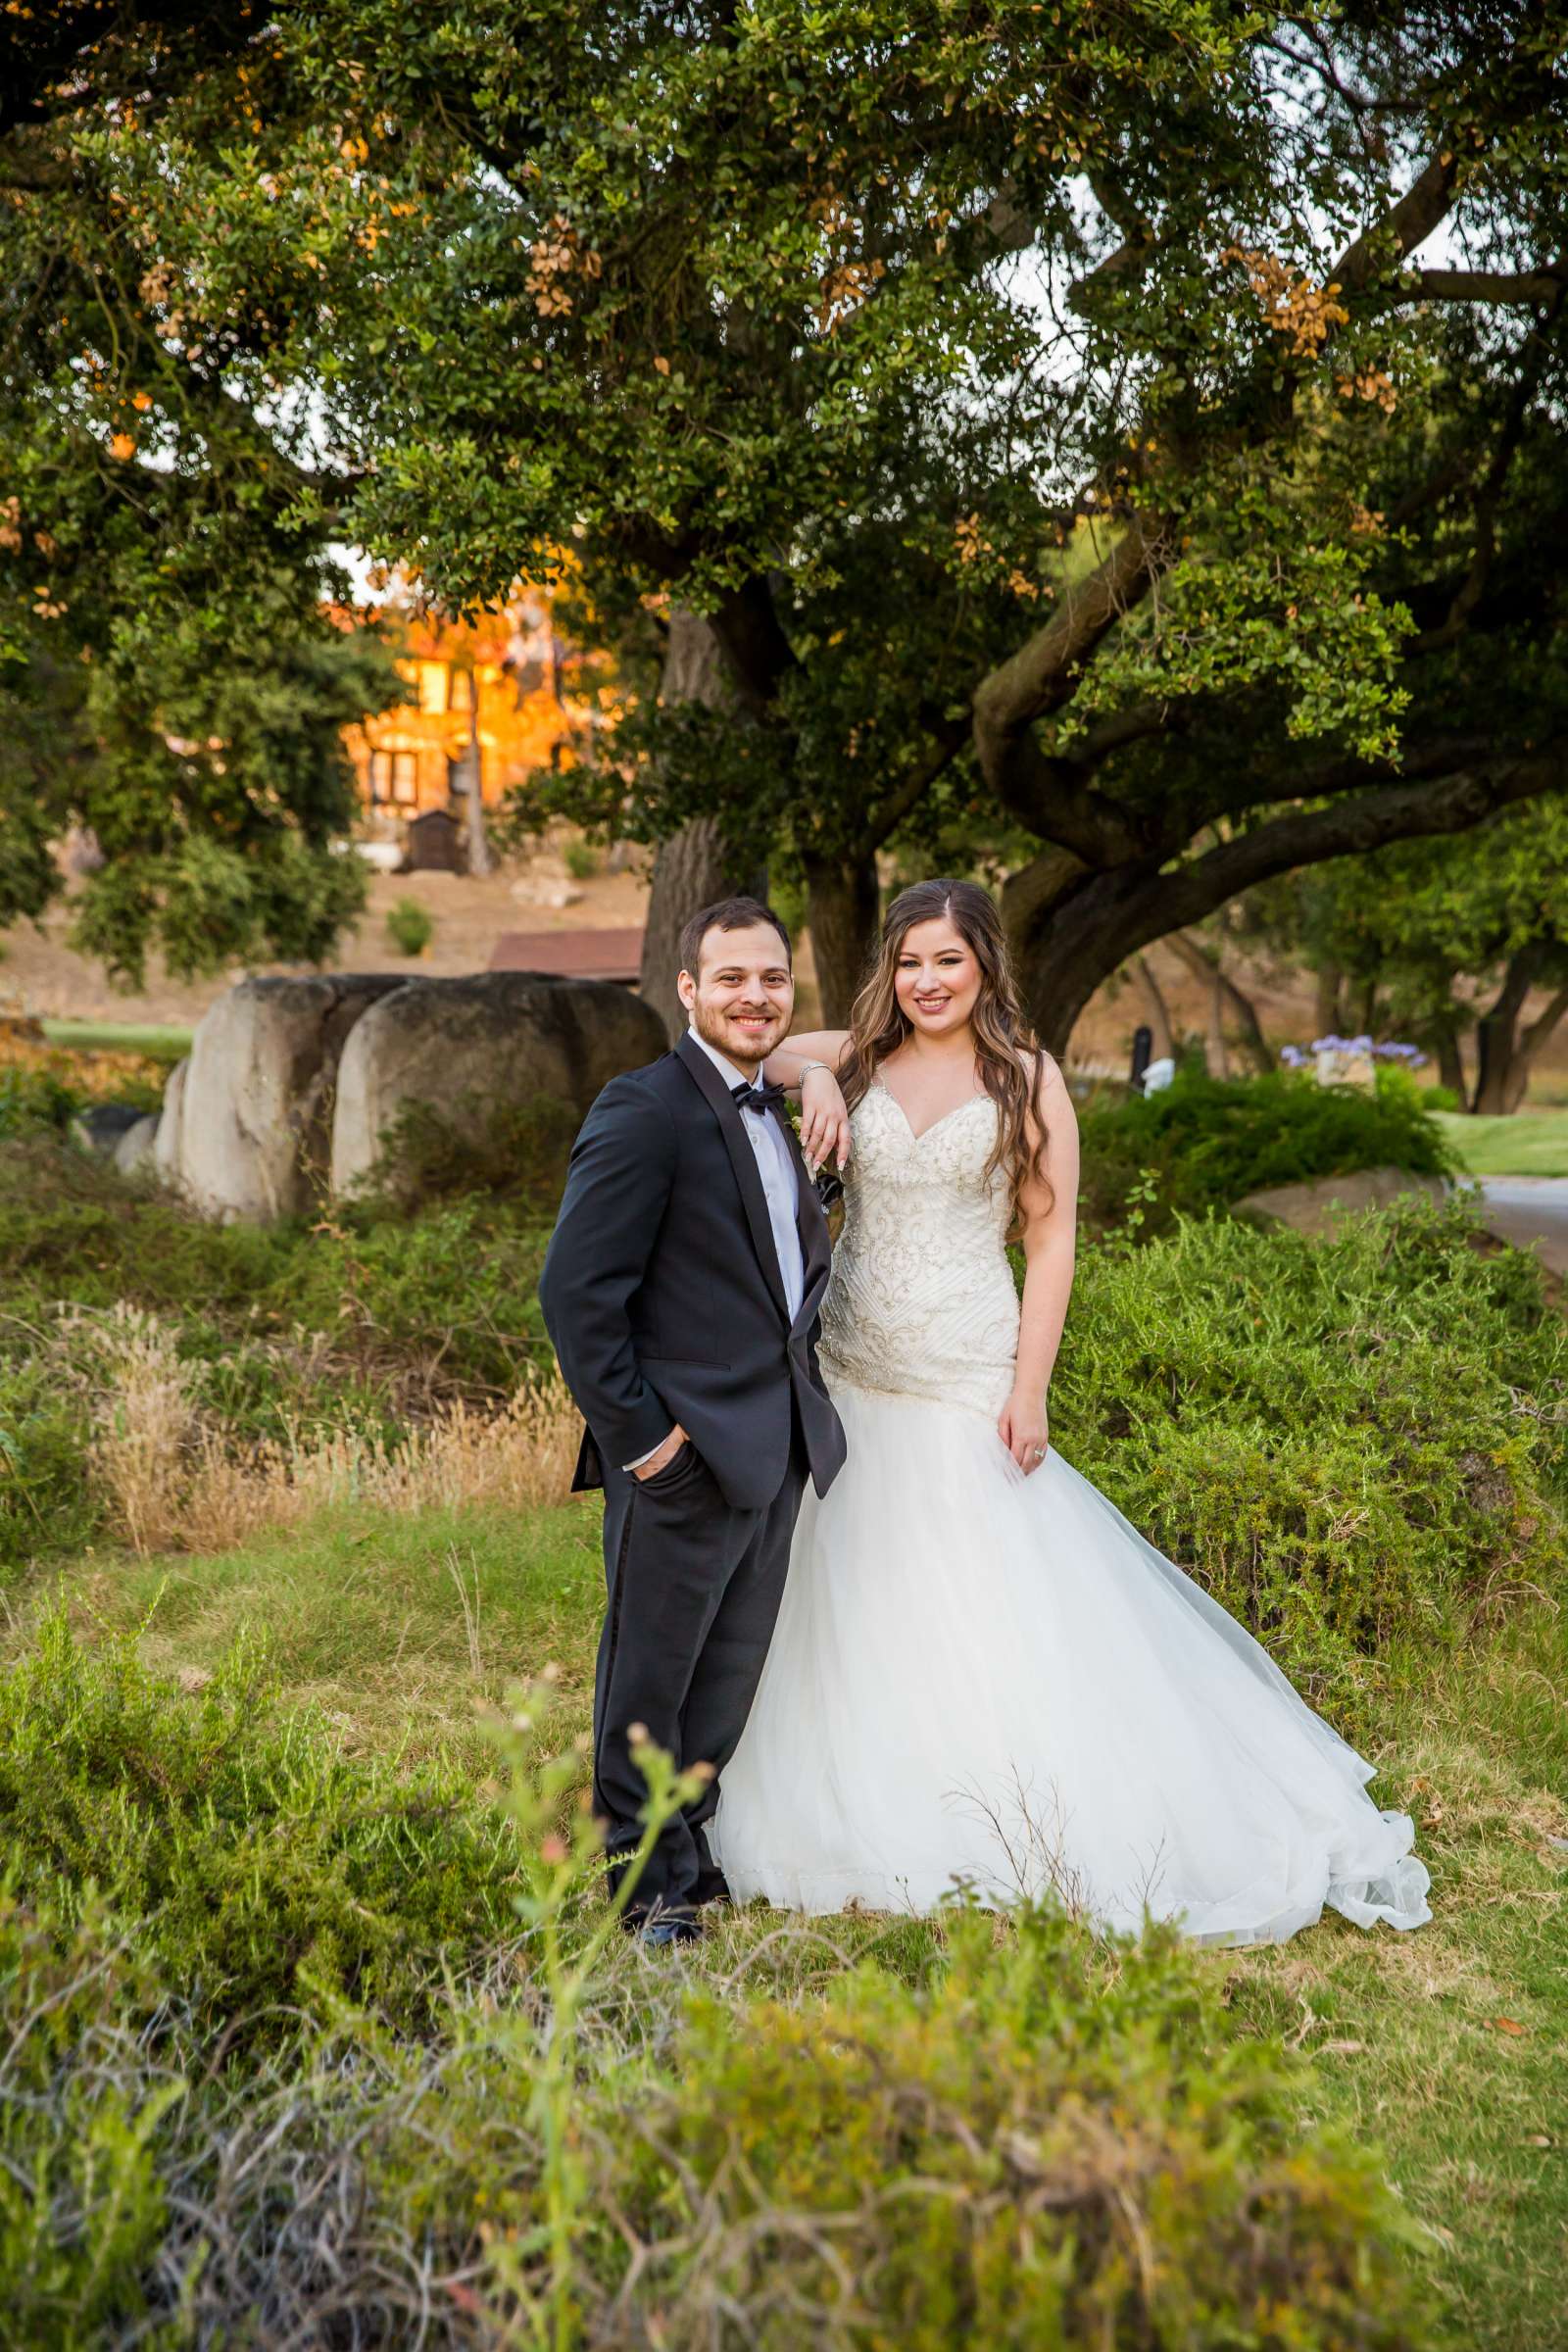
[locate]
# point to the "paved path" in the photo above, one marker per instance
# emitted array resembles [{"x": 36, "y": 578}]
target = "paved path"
[{"x": 1526, "y": 1209}]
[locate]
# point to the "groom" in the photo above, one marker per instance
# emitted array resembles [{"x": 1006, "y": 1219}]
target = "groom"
[{"x": 681, "y": 1291}]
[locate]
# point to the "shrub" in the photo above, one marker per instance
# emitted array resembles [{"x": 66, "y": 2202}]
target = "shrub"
[
  {"x": 31, "y": 1099},
  {"x": 85, "y": 2115},
  {"x": 410, "y": 927},
  {"x": 260, "y": 1867},
  {"x": 1349, "y": 1441},
  {"x": 1207, "y": 1142},
  {"x": 582, "y": 859},
  {"x": 1053, "y": 2143},
  {"x": 1049, "y": 2140},
  {"x": 362, "y": 1347},
  {"x": 45, "y": 1501},
  {"x": 518, "y": 1150}
]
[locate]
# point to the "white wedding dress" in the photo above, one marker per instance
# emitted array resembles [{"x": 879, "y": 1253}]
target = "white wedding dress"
[{"x": 987, "y": 1681}]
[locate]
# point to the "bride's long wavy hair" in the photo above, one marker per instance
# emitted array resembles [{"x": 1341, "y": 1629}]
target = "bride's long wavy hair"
[{"x": 1005, "y": 1050}]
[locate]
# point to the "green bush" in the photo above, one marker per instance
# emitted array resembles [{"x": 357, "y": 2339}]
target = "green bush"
[
  {"x": 84, "y": 2132},
  {"x": 582, "y": 860},
  {"x": 389, "y": 1293},
  {"x": 45, "y": 1504},
  {"x": 410, "y": 927},
  {"x": 508, "y": 1150},
  {"x": 1207, "y": 1142},
  {"x": 1349, "y": 1441},
  {"x": 258, "y": 1865},
  {"x": 1050, "y": 2140},
  {"x": 33, "y": 1100},
  {"x": 1053, "y": 2143}
]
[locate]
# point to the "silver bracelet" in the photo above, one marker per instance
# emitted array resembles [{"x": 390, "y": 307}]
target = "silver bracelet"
[{"x": 807, "y": 1067}]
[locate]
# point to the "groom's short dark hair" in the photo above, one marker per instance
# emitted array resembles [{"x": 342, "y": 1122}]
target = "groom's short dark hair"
[{"x": 725, "y": 914}]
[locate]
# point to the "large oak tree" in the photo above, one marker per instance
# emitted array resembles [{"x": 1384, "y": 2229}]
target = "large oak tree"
[
  {"x": 1060, "y": 413},
  {"x": 172, "y": 678}
]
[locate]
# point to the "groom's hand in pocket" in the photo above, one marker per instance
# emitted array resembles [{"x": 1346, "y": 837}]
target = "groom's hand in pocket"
[{"x": 662, "y": 1457}]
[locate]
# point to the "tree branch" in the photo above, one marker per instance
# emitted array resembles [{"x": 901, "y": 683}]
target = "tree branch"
[
  {"x": 1043, "y": 673},
  {"x": 1212, "y": 971},
  {"x": 1370, "y": 820},
  {"x": 1051, "y": 799},
  {"x": 889, "y": 812},
  {"x": 1405, "y": 225},
  {"x": 1497, "y": 286}
]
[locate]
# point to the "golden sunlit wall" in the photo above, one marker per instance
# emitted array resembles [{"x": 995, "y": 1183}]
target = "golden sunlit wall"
[{"x": 405, "y": 758}]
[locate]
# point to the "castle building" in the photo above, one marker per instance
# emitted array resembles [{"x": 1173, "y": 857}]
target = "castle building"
[{"x": 494, "y": 691}]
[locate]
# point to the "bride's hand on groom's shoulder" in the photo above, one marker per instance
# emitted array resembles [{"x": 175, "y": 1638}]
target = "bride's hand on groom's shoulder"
[
  {"x": 824, "y": 1118},
  {"x": 1024, "y": 1428}
]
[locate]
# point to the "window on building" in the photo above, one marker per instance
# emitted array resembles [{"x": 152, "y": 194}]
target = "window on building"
[{"x": 394, "y": 779}]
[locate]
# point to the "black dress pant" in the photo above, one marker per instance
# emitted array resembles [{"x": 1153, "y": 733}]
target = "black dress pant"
[{"x": 695, "y": 1586}]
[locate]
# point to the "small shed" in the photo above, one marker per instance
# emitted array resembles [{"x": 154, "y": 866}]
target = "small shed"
[
  {"x": 436, "y": 844},
  {"x": 607, "y": 954}
]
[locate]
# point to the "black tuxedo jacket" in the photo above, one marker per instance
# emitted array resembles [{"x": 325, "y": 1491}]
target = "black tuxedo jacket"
[{"x": 663, "y": 1295}]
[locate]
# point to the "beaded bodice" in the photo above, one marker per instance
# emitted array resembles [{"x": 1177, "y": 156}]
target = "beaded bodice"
[{"x": 921, "y": 1302}]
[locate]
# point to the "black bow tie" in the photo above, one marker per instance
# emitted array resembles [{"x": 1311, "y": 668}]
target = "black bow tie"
[{"x": 766, "y": 1096}]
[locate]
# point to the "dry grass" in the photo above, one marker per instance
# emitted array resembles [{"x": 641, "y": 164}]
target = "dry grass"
[{"x": 177, "y": 1480}]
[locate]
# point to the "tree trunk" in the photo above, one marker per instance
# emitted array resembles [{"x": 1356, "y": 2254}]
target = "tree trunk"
[
  {"x": 1326, "y": 999},
  {"x": 1228, "y": 997},
  {"x": 1498, "y": 1086},
  {"x": 842, "y": 909},
  {"x": 1539, "y": 1034},
  {"x": 1505, "y": 1058},
  {"x": 692, "y": 870},
  {"x": 1451, "y": 1065},
  {"x": 480, "y": 860},
  {"x": 697, "y": 864},
  {"x": 1216, "y": 1055},
  {"x": 1158, "y": 1010},
  {"x": 1367, "y": 1012}
]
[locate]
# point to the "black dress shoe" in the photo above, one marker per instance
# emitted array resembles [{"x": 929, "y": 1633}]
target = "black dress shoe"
[
  {"x": 712, "y": 1887},
  {"x": 666, "y": 1928}
]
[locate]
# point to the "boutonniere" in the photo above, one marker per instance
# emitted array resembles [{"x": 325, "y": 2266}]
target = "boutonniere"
[{"x": 826, "y": 1182}]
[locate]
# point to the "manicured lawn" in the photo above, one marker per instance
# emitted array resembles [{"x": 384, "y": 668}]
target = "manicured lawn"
[
  {"x": 1533, "y": 1143},
  {"x": 119, "y": 1037},
  {"x": 1446, "y": 2047}
]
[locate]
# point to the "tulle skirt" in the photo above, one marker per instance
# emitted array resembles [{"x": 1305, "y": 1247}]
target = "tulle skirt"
[{"x": 989, "y": 1682}]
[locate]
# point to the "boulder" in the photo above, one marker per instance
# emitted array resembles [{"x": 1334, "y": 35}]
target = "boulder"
[
  {"x": 467, "y": 1050},
  {"x": 1326, "y": 1202},
  {"x": 171, "y": 1131},
  {"x": 101, "y": 1126},
  {"x": 137, "y": 1148},
  {"x": 249, "y": 1122}
]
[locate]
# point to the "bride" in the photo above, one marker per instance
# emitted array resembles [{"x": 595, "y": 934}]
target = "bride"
[{"x": 982, "y": 1677}]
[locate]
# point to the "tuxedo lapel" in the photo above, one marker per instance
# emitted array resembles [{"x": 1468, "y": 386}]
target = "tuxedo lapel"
[
  {"x": 742, "y": 1159},
  {"x": 816, "y": 1250}
]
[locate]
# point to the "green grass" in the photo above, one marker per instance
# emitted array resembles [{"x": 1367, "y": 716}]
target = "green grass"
[
  {"x": 365, "y": 1619},
  {"x": 163, "y": 1043},
  {"x": 1409, "y": 2050},
  {"x": 1532, "y": 1143},
  {"x": 402, "y": 1628}
]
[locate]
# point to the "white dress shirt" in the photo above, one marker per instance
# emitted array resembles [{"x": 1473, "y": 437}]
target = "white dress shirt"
[{"x": 776, "y": 1169}]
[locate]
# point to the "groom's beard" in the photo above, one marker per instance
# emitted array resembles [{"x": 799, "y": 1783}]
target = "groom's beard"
[{"x": 748, "y": 1053}]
